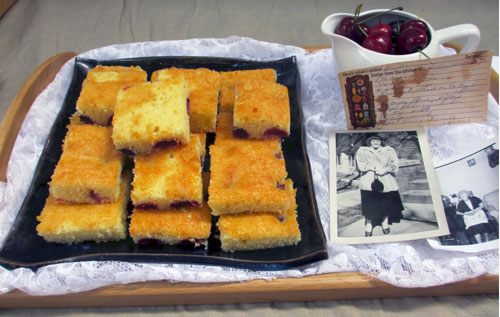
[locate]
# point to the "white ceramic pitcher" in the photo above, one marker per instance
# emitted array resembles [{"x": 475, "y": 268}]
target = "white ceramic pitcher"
[{"x": 350, "y": 55}]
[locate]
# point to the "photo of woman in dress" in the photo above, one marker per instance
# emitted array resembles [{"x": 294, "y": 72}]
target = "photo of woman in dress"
[
  {"x": 471, "y": 183},
  {"x": 380, "y": 199},
  {"x": 383, "y": 188},
  {"x": 475, "y": 216},
  {"x": 455, "y": 221}
]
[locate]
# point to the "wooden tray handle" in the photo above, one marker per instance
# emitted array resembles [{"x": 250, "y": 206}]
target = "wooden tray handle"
[{"x": 14, "y": 117}]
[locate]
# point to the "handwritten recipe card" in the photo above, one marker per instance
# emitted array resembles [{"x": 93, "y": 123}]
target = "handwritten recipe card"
[{"x": 437, "y": 91}]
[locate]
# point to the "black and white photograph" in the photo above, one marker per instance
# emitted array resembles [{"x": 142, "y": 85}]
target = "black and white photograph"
[
  {"x": 383, "y": 188},
  {"x": 469, "y": 192}
]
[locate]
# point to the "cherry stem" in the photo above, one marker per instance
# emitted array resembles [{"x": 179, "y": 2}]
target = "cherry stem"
[
  {"x": 357, "y": 11},
  {"x": 422, "y": 52},
  {"x": 361, "y": 29},
  {"x": 356, "y": 16},
  {"x": 380, "y": 14}
]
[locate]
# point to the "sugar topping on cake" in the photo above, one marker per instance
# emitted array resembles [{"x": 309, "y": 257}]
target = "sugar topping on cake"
[
  {"x": 248, "y": 176},
  {"x": 203, "y": 85},
  {"x": 261, "y": 110},
  {"x": 229, "y": 80},
  {"x": 170, "y": 178},
  {"x": 74, "y": 223},
  {"x": 89, "y": 169},
  {"x": 97, "y": 99},
  {"x": 252, "y": 231},
  {"x": 151, "y": 116},
  {"x": 171, "y": 226}
]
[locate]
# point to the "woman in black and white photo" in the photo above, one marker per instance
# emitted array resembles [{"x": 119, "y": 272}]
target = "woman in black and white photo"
[
  {"x": 455, "y": 221},
  {"x": 380, "y": 199},
  {"x": 475, "y": 216}
]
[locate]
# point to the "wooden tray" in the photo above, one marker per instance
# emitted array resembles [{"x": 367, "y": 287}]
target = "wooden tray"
[{"x": 313, "y": 288}]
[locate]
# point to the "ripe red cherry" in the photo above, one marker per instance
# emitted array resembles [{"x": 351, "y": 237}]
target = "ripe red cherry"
[
  {"x": 381, "y": 29},
  {"x": 365, "y": 28},
  {"x": 418, "y": 24},
  {"x": 396, "y": 27},
  {"x": 378, "y": 42},
  {"x": 348, "y": 27},
  {"x": 411, "y": 40}
]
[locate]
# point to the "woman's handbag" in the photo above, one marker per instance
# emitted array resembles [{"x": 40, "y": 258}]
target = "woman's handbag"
[{"x": 377, "y": 185}]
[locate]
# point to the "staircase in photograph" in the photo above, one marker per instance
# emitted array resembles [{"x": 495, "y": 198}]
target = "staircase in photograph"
[{"x": 417, "y": 200}]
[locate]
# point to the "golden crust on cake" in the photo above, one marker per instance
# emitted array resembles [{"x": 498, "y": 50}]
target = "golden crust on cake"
[
  {"x": 150, "y": 116},
  {"x": 85, "y": 180},
  {"x": 90, "y": 141},
  {"x": 203, "y": 86},
  {"x": 224, "y": 132},
  {"x": 89, "y": 168},
  {"x": 254, "y": 231},
  {"x": 261, "y": 110},
  {"x": 170, "y": 178},
  {"x": 73, "y": 223},
  {"x": 248, "y": 176},
  {"x": 229, "y": 79},
  {"x": 171, "y": 226},
  {"x": 99, "y": 90}
]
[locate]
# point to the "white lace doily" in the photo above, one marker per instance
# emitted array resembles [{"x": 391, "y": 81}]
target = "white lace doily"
[{"x": 408, "y": 264}]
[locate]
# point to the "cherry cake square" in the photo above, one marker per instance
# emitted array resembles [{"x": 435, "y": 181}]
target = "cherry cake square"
[
  {"x": 203, "y": 85},
  {"x": 151, "y": 116},
  {"x": 89, "y": 169},
  {"x": 174, "y": 226},
  {"x": 170, "y": 178},
  {"x": 253, "y": 231},
  {"x": 97, "y": 99},
  {"x": 229, "y": 79},
  {"x": 261, "y": 110},
  {"x": 74, "y": 223},
  {"x": 248, "y": 176}
]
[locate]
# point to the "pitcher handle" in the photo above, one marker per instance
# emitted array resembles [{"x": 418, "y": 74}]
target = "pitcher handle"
[{"x": 468, "y": 31}]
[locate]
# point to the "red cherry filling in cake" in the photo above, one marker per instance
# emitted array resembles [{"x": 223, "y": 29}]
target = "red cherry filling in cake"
[
  {"x": 97, "y": 198},
  {"x": 240, "y": 133},
  {"x": 275, "y": 132},
  {"x": 193, "y": 243},
  {"x": 166, "y": 144},
  {"x": 148, "y": 206},
  {"x": 86, "y": 119},
  {"x": 174, "y": 205},
  {"x": 184, "y": 204},
  {"x": 186, "y": 243},
  {"x": 150, "y": 242}
]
